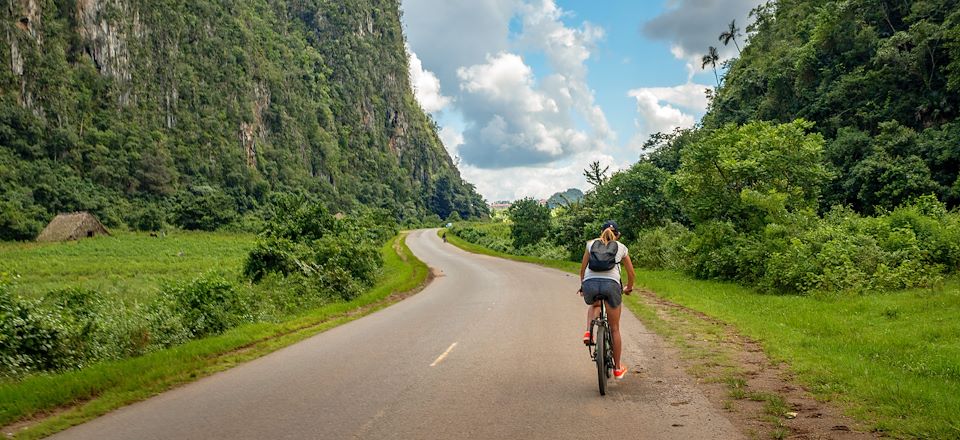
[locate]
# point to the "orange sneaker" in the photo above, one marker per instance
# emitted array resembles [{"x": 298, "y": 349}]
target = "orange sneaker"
[
  {"x": 620, "y": 373},
  {"x": 586, "y": 338}
]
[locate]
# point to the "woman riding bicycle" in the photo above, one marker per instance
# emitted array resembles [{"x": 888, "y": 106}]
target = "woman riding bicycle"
[{"x": 600, "y": 278}]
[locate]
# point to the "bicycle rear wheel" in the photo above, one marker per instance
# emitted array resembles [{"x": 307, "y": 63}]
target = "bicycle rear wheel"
[{"x": 602, "y": 359}]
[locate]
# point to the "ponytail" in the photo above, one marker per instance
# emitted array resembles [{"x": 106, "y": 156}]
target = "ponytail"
[{"x": 608, "y": 235}]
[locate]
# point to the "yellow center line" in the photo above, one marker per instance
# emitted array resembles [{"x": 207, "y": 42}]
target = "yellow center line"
[{"x": 444, "y": 355}]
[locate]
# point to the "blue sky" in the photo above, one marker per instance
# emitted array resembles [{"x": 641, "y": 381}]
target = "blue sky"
[{"x": 529, "y": 92}]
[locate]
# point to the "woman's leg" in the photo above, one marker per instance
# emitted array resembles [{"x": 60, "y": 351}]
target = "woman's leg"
[
  {"x": 592, "y": 312},
  {"x": 613, "y": 316}
]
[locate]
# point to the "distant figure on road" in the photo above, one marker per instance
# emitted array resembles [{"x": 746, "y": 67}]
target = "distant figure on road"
[
  {"x": 444, "y": 236},
  {"x": 600, "y": 278}
]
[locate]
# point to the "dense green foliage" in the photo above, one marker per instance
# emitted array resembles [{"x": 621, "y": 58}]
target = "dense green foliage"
[
  {"x": 170, "y": 112},
  {"x": 320, "y": 254},
  {"x": 879, "y": 78},
  {"x": 531, "y": 222}
]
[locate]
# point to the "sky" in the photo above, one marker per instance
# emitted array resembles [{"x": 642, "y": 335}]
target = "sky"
[{"x": 529, "y": 92}]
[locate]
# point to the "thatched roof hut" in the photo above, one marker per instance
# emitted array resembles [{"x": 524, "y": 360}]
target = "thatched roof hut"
[{"x": 72, "y": 227}]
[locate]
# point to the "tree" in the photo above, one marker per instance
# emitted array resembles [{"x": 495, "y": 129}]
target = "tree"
[
  {"x": 635, "y": 197},
  {"x": 711, "y": 59},
  {"x": 731, "y": 34},
  {"x": 747, "y": 175},
  {"x": 595, "y": 176},
  {"x": 531, "y": 222}
]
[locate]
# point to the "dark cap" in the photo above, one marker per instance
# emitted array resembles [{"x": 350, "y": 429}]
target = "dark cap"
[{"x": 610, "y": 224}]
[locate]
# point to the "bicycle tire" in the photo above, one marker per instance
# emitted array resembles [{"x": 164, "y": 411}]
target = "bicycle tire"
[{"x": 602, "y": 359}]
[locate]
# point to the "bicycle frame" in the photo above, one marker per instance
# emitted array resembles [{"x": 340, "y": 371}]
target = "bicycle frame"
[{"x": 602, "y": 330}]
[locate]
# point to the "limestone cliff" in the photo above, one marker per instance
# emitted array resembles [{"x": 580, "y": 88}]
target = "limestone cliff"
[{"x": 117, "y": 106}]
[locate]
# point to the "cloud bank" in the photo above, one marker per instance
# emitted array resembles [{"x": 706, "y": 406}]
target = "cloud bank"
[{"x": 691, "y": 26}]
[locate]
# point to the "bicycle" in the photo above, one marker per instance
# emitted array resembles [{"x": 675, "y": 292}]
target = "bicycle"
[{"x": 601, "y": 349}]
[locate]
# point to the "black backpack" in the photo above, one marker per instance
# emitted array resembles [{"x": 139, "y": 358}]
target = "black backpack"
[{"x": 603, "y": 257}]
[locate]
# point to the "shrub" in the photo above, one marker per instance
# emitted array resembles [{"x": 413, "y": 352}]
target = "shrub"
[
  {"x": 544, "y": 249},
  {"x": 209, "y": 304},
  {"x": 336, "y": 255},
  {"x": 30, "y": 338},
  {"x": 663, "y": 247},
  {"x": 495, "y": 236}
]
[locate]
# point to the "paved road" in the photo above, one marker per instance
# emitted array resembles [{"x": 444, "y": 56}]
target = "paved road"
[{"x": 489, "y": 350}]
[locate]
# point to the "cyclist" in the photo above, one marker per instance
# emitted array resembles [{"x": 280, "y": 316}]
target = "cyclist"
[{"x": 606, "y": 252}]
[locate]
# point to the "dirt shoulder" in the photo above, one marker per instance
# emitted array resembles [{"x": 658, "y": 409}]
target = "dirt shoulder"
[{"x": 758, "y": 395}]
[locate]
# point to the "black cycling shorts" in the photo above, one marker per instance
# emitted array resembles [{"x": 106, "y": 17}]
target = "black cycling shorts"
[{"x": 602, "y": 288}]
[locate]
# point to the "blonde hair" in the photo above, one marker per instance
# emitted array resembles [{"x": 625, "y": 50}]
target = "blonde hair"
[{"x": 608, "y": 235}]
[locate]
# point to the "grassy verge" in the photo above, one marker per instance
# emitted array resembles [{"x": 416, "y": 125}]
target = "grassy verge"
[
  {"x": 891, "y": 358},
  {"x": 45, "y": 404}
]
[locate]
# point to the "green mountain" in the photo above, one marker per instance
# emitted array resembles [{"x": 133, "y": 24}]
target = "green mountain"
[
  {"x": 881, "y": 81},
  {"x": 564, "y": 198},
  {"x": 193, "y": 113}
]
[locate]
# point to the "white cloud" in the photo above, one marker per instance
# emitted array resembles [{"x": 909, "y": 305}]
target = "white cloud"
[
  {"x": 505, "y": 79},
  {"x": 513, "y": 121},
  {"x": 663, "y": 109},
  {"x": 691, "y": 26},
  {"x": 452, "y": 139},
  {"x": 567, "y": 50},
  {"x": 426, "y": 86},
  {"x": 538, "y": 182},
  {"x": 448, "y": 35}
]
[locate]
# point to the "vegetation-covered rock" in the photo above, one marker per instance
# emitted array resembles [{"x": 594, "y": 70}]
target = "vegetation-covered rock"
[{"x": 202, "y": 109}]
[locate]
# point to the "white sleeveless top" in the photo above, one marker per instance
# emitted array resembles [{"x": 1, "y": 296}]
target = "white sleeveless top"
[{"x": 612, "y": 274}]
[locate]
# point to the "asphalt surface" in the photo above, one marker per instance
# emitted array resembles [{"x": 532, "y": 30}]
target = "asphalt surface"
[{"x": 491, "y": 349}]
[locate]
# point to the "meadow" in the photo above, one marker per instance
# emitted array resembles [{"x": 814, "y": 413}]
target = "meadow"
[
  {"x": 126, "y": 266},
  {"x": 37, "y": 405},
  {"x": 891, "y": 358}
]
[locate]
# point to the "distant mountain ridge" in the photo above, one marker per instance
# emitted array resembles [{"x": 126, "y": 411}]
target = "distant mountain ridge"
[
  {"x": 572, "y": 195},
  {"x": 142, "y": 111}
]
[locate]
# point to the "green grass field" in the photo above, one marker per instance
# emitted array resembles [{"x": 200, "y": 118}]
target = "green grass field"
[
  {"x": 125, "y": 266},
  {"x": 79, "y": 395},
  {"x": 891, "y": 358}
]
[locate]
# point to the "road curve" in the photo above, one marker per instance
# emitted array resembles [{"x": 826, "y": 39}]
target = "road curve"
[{"x": 489, "y": 350}]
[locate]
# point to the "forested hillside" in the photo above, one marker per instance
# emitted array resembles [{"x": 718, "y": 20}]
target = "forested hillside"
[
  {"x": 881, "y": 81},
  {"x": 194, "y": 113}
]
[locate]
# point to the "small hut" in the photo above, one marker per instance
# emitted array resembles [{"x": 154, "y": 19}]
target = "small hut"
[{"x": 73, "y": 226}]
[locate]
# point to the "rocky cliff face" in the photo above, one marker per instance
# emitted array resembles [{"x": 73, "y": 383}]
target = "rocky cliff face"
[{"x": 138, "y": 102}]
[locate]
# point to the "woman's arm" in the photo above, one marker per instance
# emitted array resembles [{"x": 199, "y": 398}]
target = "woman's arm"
[
  {"x": 631, "y": 275},
  {"x": 583, "y": 265}
]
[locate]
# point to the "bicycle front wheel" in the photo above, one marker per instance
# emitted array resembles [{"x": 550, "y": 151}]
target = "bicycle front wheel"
[{"x": 602, "y": 359}]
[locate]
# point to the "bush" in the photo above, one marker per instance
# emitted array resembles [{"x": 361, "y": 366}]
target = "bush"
[
  {"x": 30, "y": 339},
  {"x": 544, "y": 249},
  {"x": 147, "y": 217},
  {"x": 663, "y": 247},
  {"x": 337, "y": 255},
  {"x": 495, "y": 236},
  {"x": 208, "y": 305},
  {"x": 844, "y": 252}
]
